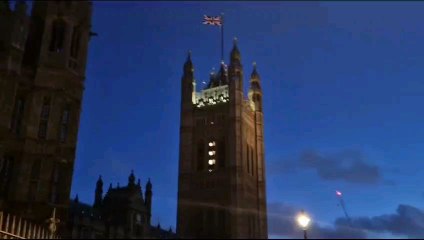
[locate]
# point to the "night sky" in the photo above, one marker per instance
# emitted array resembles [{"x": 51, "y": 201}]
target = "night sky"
[{"x": 343, "y": 93}]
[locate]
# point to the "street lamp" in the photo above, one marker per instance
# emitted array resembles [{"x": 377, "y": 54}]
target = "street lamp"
[{"x": 303, "y": 220}]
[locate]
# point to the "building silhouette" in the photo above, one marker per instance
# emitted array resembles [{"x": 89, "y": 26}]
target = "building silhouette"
[
  {"x": 221, "y": 188},
  {"x": 42, "y": 74},
  {"x": 123, "y": 212}
]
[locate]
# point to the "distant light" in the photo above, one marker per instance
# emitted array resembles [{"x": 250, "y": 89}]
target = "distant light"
[
  {"x": 303, "y": 220},
  {"x": 211, "y": 161},
  {"x": 338, "y": 193},
  {"x": 211, "y": 144},
  {"x": 211, "y": 153}
]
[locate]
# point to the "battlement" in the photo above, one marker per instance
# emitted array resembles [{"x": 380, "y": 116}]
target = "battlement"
[{"x": 212, "y": 96}]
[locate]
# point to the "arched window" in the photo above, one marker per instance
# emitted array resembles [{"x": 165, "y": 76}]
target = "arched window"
[
  {"x": 35, "y": 170},
  {"x": 57, "y": 38},
  {"x": 44, "y": 118},
  {"x": 17, "y": 116},
  {"x": 34, "y": 181},
  {"x": 64, "y": 124},
  {"x": 6, "y": 167},
  {"x": 247, "y": 159},
  {"x": 252, "y": 162},
  {"x": 75, "y": 42}
]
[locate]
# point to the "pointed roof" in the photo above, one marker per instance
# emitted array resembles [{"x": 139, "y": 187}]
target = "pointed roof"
[
  {"x": 220, "y": 78},
  {"x": 148, "y": 185},
  {"x": 255, "y": 79},
  {"x": 99, "y": 183},
  {"x": 188, "y": 65},
  {"x": 235, "y": 53},
  {"x": 131, "y": 179}
]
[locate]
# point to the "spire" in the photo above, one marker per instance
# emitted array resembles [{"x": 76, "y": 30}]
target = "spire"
[
  {"x": 188, "y": 65},
  {"x": 255, "y": 79},
  {"x": 148, "y": 185},
  {"x": 99, "y": 192},
  {"x": 100, "y": 181},
  {"x": 255, "y": 92},
  {"x": 76, "y": 199},
  {"x": 235, "y": 53},
  {"x": 223, "y": 74},
  {"x": 110, "y": 186},
  {"x": 131, "y": 179},
  {"x": 138, "y": 183}
]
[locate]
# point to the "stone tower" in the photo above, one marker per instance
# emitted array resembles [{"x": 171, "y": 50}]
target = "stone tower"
[
  {"x": 221, "y": 188},
  {"x": 42, "y": 72}
]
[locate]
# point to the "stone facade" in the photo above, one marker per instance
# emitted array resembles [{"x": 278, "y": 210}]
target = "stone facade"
[
  {"x": 42, "y": 72},
  {"x": 122, "y": 213},
  {"x": 221, "y": 188}
]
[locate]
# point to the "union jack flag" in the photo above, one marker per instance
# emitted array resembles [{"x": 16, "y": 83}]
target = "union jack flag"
[{"x": 216, "y": 21}]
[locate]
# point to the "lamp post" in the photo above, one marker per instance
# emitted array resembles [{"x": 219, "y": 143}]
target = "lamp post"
[{"x": 303, "y": 220}]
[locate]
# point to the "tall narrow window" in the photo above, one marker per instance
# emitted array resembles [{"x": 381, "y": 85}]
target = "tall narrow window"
[
  {"x": 64, "y": 124},
  {"x": 252, "y": 162},
  {"x": 247, "y": 159},
  {"x": 6, "y": 168},
  {"x": 200, "y": 155},
  {"x": 75, "y": 42},
  {"x": 44, "y": 119},
  {"x": 34, "y": 180},
  {"x": 57, "y": 38},
  {"x": 54, "y": 184},
  {"x": 17, "y": 117}
]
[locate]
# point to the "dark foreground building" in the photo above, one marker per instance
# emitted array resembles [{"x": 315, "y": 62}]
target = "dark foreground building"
[
  {"x": 123, "y": 212},
  {"x": 221, "y": 188},
  {"x": 42, "y": 76}
]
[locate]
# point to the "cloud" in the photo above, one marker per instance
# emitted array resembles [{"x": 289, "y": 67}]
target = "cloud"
[
  {"x": 282, "y": 223},
  {"x": 348, "y": 165},
  {"x": 407, "y": 221}
]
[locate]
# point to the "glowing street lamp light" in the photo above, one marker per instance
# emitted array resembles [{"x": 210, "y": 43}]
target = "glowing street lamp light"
[{"x": 303, "y": 220}]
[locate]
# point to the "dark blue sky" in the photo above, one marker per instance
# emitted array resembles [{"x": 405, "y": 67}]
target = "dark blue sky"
[{"x": 343, "y": 93}]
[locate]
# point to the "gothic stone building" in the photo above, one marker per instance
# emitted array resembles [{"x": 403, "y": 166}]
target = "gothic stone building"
[
  {"x": 122, "y": 213},
  {"x": 42, "y": 73},
  {"x": 221, "y": 189}
]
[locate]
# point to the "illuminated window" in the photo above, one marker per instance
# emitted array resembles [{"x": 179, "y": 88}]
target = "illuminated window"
[{"x": 211, "y": 153}]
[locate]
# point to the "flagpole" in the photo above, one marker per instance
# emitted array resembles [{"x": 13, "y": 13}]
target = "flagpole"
[{"x": 222, "y": 37}]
